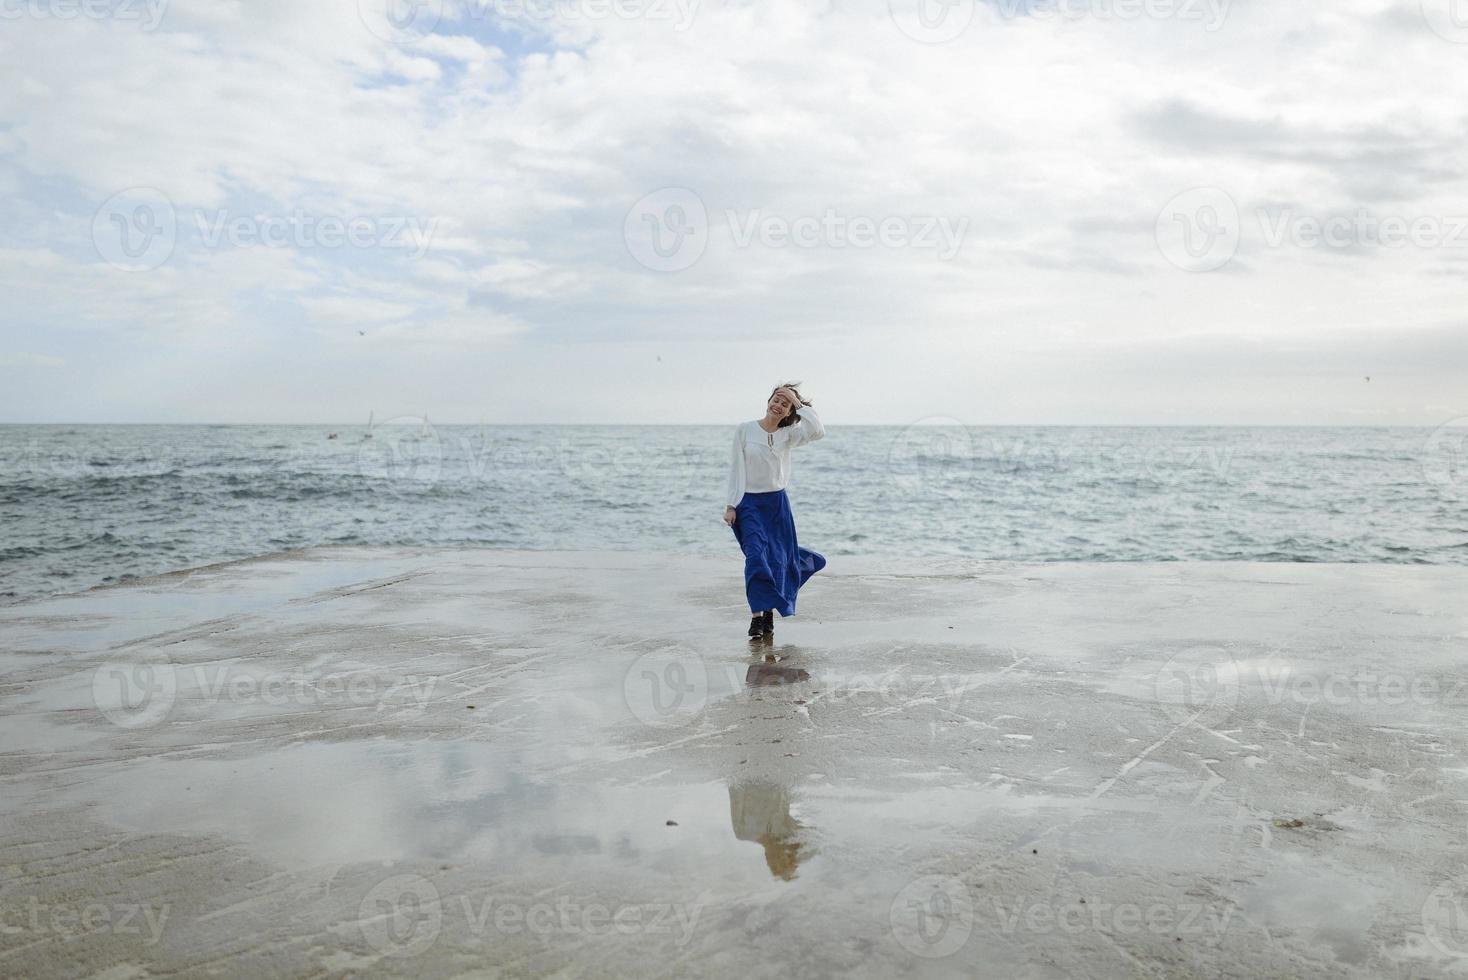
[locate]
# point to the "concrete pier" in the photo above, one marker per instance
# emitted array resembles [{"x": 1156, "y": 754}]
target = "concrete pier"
[{"x": 429, "y": 763}]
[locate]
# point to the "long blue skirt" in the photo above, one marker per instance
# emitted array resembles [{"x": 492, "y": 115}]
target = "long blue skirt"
[{"x": 775, "y": 566}]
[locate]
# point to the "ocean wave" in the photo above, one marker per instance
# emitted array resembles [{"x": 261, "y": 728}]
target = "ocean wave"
[
  {"x": 107, "y": 479},
  {"x": 229, "y": 492}
]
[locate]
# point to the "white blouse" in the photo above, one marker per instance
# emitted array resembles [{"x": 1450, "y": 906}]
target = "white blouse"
[{"x": 760, "y": 461}]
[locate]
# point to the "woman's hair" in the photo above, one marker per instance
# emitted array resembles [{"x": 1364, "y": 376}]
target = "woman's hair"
[{"x": 792, "y": 418}]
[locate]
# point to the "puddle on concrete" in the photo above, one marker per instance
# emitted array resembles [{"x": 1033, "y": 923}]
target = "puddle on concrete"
[
  {"x": 470, "y": 802},
  {"x": 90, "y": 622},
  {"x": 458, "y": 802},
  {"x": 1311, "y": 896}
]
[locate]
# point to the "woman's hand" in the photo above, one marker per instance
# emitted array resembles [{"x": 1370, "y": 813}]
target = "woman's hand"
[
  {"x": 795, "y": 401},
  {"x": 729, "y": 513}
]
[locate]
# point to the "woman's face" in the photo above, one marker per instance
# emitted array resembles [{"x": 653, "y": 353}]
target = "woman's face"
[{"x": 779, "y": 404}]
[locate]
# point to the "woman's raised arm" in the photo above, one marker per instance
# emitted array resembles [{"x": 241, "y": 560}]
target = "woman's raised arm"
[{"x": 809, "y": 428}]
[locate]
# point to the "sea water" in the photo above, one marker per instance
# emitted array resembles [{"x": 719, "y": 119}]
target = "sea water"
[{"x": 86, "y": 505}]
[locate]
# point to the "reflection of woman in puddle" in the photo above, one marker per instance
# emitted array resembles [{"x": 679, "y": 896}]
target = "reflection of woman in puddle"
[{"x": 760, "y": 813}]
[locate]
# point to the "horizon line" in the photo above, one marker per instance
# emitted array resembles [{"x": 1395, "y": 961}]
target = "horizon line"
[{"x": 406, "y": 419}]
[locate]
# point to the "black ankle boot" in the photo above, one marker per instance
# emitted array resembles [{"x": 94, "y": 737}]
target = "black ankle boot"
[
  {"x": 767, "y": 623},
  {"x": 756, "y": 626}
]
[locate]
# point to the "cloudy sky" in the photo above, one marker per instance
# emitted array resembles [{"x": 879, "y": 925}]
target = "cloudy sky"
[{"x": 1069, "y": 211}]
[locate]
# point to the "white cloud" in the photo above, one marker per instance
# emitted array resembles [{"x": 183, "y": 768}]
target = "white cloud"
[{"x": 1057, "y": 139}]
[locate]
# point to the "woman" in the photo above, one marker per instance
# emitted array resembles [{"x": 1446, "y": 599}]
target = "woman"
[{"x": 775, "y": 566}]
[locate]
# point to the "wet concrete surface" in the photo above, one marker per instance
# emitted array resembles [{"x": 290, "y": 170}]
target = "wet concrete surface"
[{"x": 457, "y": 763}]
